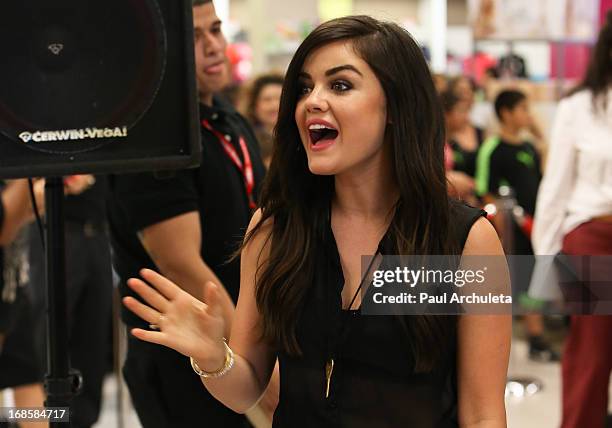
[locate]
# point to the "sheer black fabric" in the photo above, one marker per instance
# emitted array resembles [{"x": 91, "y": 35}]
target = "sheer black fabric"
[{"x": 373, "y": 382}]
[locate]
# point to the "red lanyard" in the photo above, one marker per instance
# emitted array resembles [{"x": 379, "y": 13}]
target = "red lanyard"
[{"x": 246, "y": 169}]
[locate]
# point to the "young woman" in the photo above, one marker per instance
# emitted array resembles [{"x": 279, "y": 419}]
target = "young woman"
[
  {"x": 462, "y": 152},
  {"x": 358, "y": 168},
  {"x": 261, "y": 109},
  {"x": 574, "y": 215},
  {"x": 463, "y": 138}
]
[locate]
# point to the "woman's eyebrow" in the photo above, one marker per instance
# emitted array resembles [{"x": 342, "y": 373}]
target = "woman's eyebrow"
[
  {"x": 333, "y": 71},
  {"x": 344, "y": 67}
]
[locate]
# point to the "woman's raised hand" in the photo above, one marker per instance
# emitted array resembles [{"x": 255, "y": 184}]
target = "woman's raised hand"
[{"x": 178, "y": 320}]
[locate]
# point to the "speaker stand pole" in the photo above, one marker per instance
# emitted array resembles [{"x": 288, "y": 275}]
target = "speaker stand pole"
[{"x": 61, "y": 383}]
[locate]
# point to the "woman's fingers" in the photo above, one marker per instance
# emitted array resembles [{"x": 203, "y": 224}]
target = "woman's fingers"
[
  {"x": 156, "y": 337},
  {"x": 211, "y": 297},
  {"x": 199, "y": 306},
  {"x": 166, "y": 287},
  {"x": 145, "y": 312},
  {"x": 149, "y": 294}
]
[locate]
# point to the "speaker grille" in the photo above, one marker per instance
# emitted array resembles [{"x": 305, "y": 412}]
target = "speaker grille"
[{"x": 77, "y": 64}]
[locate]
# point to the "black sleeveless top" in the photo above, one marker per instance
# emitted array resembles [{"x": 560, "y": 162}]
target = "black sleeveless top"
[
  {"x": 373, "y": 382},
  {"x": 465, "y": 160}
]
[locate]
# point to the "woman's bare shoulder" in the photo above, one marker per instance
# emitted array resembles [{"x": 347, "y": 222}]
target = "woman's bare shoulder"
[{"x": 482, "y": 240}]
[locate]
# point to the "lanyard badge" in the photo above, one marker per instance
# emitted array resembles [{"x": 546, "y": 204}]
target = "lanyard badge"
[{"x": 246, "y": 167}]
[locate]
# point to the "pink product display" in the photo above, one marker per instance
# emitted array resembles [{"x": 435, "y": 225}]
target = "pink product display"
[{"x": 568, "y": 61}]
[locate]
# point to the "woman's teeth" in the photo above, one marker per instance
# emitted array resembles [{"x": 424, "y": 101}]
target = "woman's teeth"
[{"x": 320, "y": 132}]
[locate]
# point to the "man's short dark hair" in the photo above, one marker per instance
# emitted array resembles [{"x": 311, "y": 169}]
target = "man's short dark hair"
[
  {"x": 507, "y": 100},
  {"x": 199, "y": 2}
]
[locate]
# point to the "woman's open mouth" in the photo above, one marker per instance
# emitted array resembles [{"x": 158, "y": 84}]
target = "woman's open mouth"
[{"x": 321, "y": 136}]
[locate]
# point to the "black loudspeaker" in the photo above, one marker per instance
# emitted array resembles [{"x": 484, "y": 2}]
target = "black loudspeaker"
[{"x": 96, "y": 86}]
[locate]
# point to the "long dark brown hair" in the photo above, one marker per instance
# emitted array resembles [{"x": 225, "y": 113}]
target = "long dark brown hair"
[
  {"x": 598, "y": 77},
  {"x": 297, "y": 201}
]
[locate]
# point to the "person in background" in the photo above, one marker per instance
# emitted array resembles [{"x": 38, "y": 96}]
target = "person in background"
[
  {"x": 261, "y": 109},
  {"x": 461, "y": 161},
  {"x": 440, "y": 82},
  {"x": 187, "y": 224},
  {"x": 479, "y": 110},
  {"x": 463, "y": 138},
  {"x": 88, "y": 290},
  {"x": 489, "y": 79},
  {"x": 574, "y": 215},
  {"x": 508, "y": 160},
  {"x": 464, "y": 88},
  {"x": 21, "y": 365}
]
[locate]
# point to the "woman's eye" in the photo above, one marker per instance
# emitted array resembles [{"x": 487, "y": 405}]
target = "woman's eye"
[
  {"x": 304, "y": 90},
  {"x": 340, "y": 86}
]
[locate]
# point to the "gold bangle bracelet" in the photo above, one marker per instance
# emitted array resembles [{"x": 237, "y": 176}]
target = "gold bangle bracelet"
[{"x": 227, "y": 364}]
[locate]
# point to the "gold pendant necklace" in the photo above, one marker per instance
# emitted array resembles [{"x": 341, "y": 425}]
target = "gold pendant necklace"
[{"x": 329, "y": 370}]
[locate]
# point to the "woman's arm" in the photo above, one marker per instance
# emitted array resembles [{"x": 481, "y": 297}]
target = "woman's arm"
[
  {"x": 483, "y": 348},
  {"x": 242, "y": 389},
  {"x": 195, "y": 329},
  {"x": 556, "y": 186}
]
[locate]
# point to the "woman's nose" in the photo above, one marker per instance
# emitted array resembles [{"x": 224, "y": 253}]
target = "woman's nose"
[{"x": 316, "y": 101}]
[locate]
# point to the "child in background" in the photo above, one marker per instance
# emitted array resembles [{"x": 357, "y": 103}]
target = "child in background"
[{"x": 509, "y": 160}]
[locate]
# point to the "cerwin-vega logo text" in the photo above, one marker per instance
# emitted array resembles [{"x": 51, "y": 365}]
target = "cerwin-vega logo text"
[{"x": 73, "y": 134}]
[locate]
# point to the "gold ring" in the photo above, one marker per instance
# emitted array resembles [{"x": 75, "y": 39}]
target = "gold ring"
[{"x": 156, "y": 326}]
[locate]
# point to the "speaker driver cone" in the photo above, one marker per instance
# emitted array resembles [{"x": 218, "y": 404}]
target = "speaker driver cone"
[{"x": 76, "y": 71}]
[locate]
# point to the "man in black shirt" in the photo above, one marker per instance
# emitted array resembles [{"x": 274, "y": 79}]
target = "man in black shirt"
[{"x": 186, "y": 224}]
